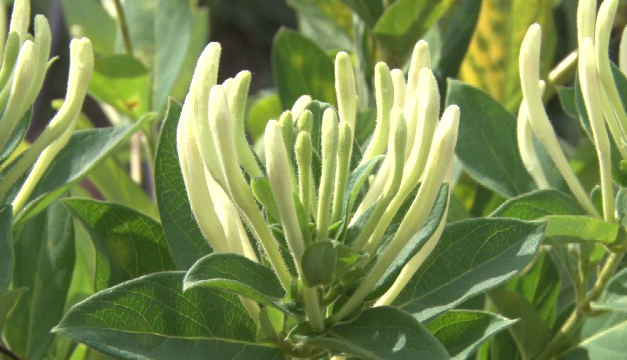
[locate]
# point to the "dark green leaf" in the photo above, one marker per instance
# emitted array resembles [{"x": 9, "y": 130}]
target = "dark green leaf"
[
  {"x": 567, "y": 99},
  {"x": 471, "y": 257},
  {"x": 17, "y": 136},
  {"x": 235, "y": 273},
  {"x": 327, "y": 22},
  {"x": 6, "y": 247},
  {"x": 173, "y": 30},
  {"x": 84, "y": 151},
  {"x": 152, "y": 318},
  {"x": 584, "y": 228},
  {"x": 319, "y": 261},
  {"x": 184, "y": 237},
  {"x": 368, "y": 10},
  {"x": 300, "y": 67},
  {"x": 530, "y": 333},
  {"x": 130, "y": 243},
  {"x": 380, "y": 333},
  {"x": 487, "y": 141},
  {"x": 8, "y": 301},
  {"x": 266, "y": 107},
  {"x": 601, "y": 337},
  {"x": 91, "y": 20},
  {"x": 462, "y": 331},
  {"x": 404, "y": 22},
  {"x": 538, "y": 204},
  {"x": 615, "y": 296},
  {"x": 263, "y": 193}
]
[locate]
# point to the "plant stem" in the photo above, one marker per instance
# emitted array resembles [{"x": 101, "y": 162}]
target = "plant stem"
[
  {"x": 126, "y": 37},
  {"x": 560, "y": 74},
  {"x": 9, "y": 353}
]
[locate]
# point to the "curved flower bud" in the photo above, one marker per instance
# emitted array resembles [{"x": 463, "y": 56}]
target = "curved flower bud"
[
  {"x": 11, "y": 51},
  {"x": 20, "y": 19},
  {"x": 622, "y": 56},
  {"x": 384, "y": 94},
  {"x": 305, "y": 122},
  {"x": 586, "y": 11},
  {"x": 226, "y": 84},
  {"x": 344, "y": 152},
  {"x": 300, "y": 105},
  {"x": 329, "y": 150},
  {"x": 400, "y": 87},
  {"x": 530, "y": 81},
  {"x": 592, "y": 97},
  {"x": 527, "y": 151},
  {"x": 345, "y": 88},
  {"x": 43, "y": 39},
  {"x": 303, "y": 150},
  {"x": 420, "y": 57}
]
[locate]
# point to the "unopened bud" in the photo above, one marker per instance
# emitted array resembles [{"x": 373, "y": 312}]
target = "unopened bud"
[
  {"x": 384, "y": 95},
  {"x": 345, "y": 88},
  {"x": 20, "y": 19}
]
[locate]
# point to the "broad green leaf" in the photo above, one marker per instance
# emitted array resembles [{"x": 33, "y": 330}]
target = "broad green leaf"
[
  {"x": 530, "y": 333},
  {"x": 615, "y": 296},
  {"x": 319, "y": 261},
  {"x": 271, "y": 322},
  {"x": 567, "y": 99},
  {"x": 8, "y": 301},
  {"x": 45, "y": 254},
  {"x": 181, "y": 230},
  {"x": 491, "y": 62},
  {"x": 585, "y": 228},
  {"x": 601, "y": 337},
  {"x": 300, "y": 67},
  {"x": 463, "y": 331},
  {"x": 486, "y": 253},
  {"x": 6, "y": 247},
  {"x": 368, "y": 10},
  {"x": 173, "y": 30},
  {"x": 538, "y": 204},
  {"x": 235, "y": 273},
  {"x": 87, "y": 18},
  {"x": 380, "y": 333},
  {"x": 17, "y": 136},
  {"x": 84, "y": 151},
  {"x": 262, "y": 110},
  {"x": 263, "y": 193},
  {"x": 141, "y": 19},
  {"x": 487, "y": 141},
  {"x": 122, "y": 82},
  {"x": 404, "y": 22},
  {"x": 414, "y": 244},
  {"x": 329, "y": 23},
  {"x": 129, "y": 243},
  {"x": 152, "y": 318}
]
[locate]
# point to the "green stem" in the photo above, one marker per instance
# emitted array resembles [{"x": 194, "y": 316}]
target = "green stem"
[
  {"x": 126, "y": 36},
  {"x": 561, "y": 73}
]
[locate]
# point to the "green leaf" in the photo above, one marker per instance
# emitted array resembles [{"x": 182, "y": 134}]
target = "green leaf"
[
  {"x": 380, "y": 333},
  {"x": 266, "y": 107},
  {"x": 152, "y": 318},
  {"x": 487, "y": 141},
  {"x": 463, "y": 331},
  {"x": 530, "y": 333},
  {"x": 319, "y": 261},
  {"x": 89, "y": 19},
  {"x": 413, "y": 245},
  {"x": 601, "y": 337},
  {"x": 368, "y": 10},
  {"x": 122, "y": 82},
  {"x": 581, "y": 228},
  {"x": 263, "y": 193},
  {"x": 485, "y": 252},
  {"x": 6, "y": 247},
  {"x": 17, "y": 136},
  {"x": 271, "y": 321},
  {"x": 538, "y": 204},
  {"x": 404, "y": 22},
  {"x": 84, "y": 151},
  {"x": 567, "y": 99},
  {"x": 173, "y": 30},
  {"x": 237, "y": 274},
  {"x": 329, "y": 23},
  {"x": 8, "y": 302},
  {"x": 181, "y": 230},
  {"x": 614, "y": 297},
  {"x": 300, "y": 67},
  {"x": 129, "y": 243}
]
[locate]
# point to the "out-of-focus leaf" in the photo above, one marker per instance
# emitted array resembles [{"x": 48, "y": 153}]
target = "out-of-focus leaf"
[
  {"x": 87, "y": 18},
  {"x": 601, "y": 337},
  {"x": 140, "y": 17},
  {"x": 6, "y": 247},
  {"x": 584, "y": 228},
  {"x": 491, "y": 62},
  {"x": 404, "y": 22},
  {"x": 300, "y": 67},
  {"x": 615, "y": 296},
  {"x": 17, "y": 136},
  {"x": 8, "y": 301},
  {"x": 122, "y": 82},
  {"x": 262, "y": 110},
  {"x": 567, "y": 99},
  {"x": 181, "y": 230},
  {"x": 368, "y": 10},
  {"x": 329, "y": 23}
]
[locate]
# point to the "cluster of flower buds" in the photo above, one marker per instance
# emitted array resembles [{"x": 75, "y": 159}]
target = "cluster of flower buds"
[
  {"x": 601, "y": 98},
  {"x": 221, "y": 173},
  {"x": 24, "y": 64}
]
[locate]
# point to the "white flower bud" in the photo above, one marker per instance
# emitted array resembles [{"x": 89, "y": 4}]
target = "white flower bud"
[
  {"x": 345, "y": 88},
  {"x": 20, "y": 19},
  {"x": 384, "y": 95}
]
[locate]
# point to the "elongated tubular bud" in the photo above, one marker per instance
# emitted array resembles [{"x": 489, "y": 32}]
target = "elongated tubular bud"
[
  {"x": 527, "y": 151},
  {"x": 396, "y": 154},
  {"x": 238, "y": 93},
  {"x": 81, "y": 67},
  {"x": 11, "y": 50},
  {"x": 3, "y": 26},
  {"x": 530, "y": 81},
  {"x": 20, "y": 19},
  {"x": 384, "y": 94},
  {"x": 222, "y": 131},
  {"x": 329, "y": 150},
  {"x": 591, "y": 91},
  {"x": 344, "y": 152},
  {"x": 586, "y": 11},
  {"x": 616, "y": 118},
  {"x": 300, "y": 105},
  {"x": 43, "y": 39},
  {"x": 22, "y": 80},
  {"x": 303, "y": 160},
  {"x": 439, "y": 162},
  {"x": 277, "y": 164},
  {"x": 286, "y": 121},
  {"x": 345, "y": 88},
  {"x": 226, "y": 84},
  {"x": 622, "y": 57},
  {"x": 400, "y": 87},
  {"x": 420, "y": 58},
  {"x": 305, "y": 122}
]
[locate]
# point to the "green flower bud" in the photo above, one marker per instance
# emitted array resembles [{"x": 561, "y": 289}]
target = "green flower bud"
[
  {"x": 400, "y": 87},
  {"x": 20, "y": 19},
  {"x": 43, "y": 39},
  {"x": 11, "y": 50},
  {"x": 329, "y": 150},
  {"x": 344, "y": 152},
  {"x": 345, "y": 88},
  {"x": 303, "y": 151},
  {"x": 384, "y": 94},
  {"x": 305, "y": 122}
]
